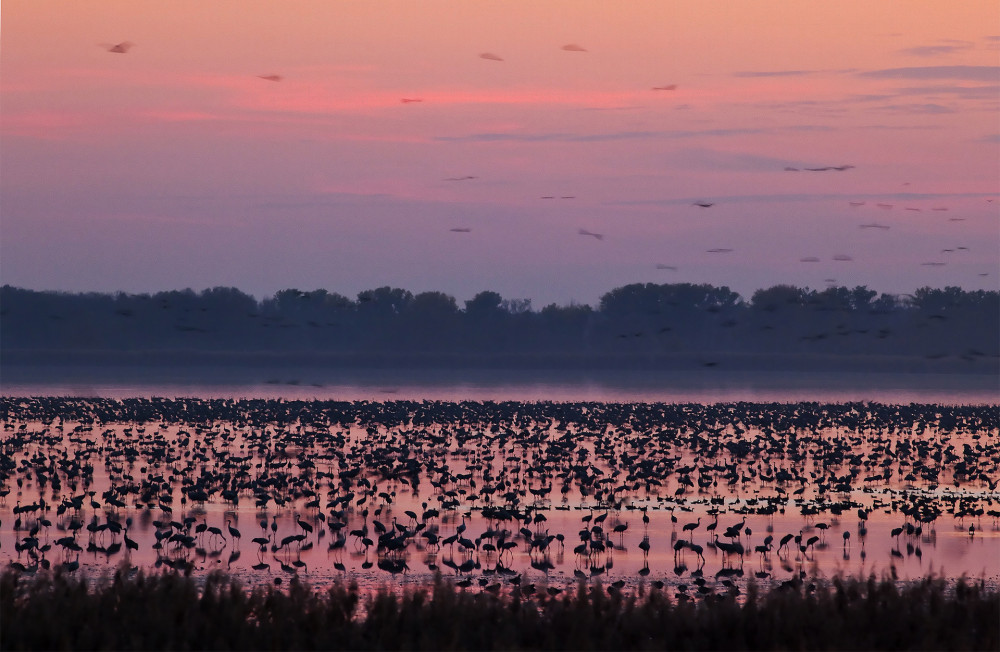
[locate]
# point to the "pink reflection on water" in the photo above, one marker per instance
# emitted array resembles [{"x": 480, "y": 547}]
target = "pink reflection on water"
[{"x": 301, "y": 466}]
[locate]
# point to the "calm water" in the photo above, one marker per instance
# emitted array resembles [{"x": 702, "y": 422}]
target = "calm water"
[
  {"x": 558, "y": 470},
  {"x": 701, "y": 386}
]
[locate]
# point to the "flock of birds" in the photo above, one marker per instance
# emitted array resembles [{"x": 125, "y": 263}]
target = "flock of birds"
[
  {"x": 125, "y": 46},
  {"x": 486, "y": 491}
]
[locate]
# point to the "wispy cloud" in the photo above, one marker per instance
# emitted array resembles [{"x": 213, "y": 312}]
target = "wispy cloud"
[
  {"x": 968, "y": 73},
  {"x": 773, "y": 73},
  {"x": 567, "y": 137},
  {"x": 785, "y": 198},
  {"x": 921, "y": 109},
  {"x": 790, "y": 73},
  {"x": 988, "y": 91},
  {"x": 943, "y": 48}
]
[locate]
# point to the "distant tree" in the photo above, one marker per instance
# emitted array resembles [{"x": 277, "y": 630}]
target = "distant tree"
[
  {"x": 484, "y": 305},
  {"x": 778, "y": 297}
]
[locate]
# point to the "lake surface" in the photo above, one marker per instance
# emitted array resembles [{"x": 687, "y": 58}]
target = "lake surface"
[
  {"x": 455, "y": 483},
  {"x": 699, "y": 386}
]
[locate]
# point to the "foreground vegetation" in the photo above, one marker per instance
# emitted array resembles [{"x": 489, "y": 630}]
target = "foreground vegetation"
[{"x": 57, "y": 611}]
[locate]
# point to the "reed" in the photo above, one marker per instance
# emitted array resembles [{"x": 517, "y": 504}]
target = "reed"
[{"x": 171, "y": 611}]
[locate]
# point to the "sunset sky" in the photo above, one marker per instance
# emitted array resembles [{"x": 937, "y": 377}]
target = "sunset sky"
[{"x": 178, "y": 164}]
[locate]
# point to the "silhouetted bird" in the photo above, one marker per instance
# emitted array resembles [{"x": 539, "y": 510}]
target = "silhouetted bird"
[{"x": 119, "y": 48}]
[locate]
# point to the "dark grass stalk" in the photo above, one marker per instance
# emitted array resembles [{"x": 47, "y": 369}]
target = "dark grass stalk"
[{"x": 147, "y": 612}]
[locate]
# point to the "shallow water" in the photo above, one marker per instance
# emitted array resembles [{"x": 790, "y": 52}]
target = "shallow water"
[
  {"x": 697, "y": 386},
  {"x": 583, "y": 461}
]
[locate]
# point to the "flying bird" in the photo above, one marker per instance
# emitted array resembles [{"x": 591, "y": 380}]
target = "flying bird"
[
  {"x": 843, "y": 258},
  {"x": 809, "y": 259},
  {"x": 120, "y": 48},
  {"x": 873, "y": 225},
  {"x": 856, "y": 204},
  {"x": 909, "y": 208},
  {"x": 669, "y": 87},
  {"x": 703, "y": 204},
  {"x": 720, "y": 251},
  {"x": 933, "y": 264},
  {"x": 461, "y": 229},
  {"x": 791, "y": 169},
  {"x": 410, "y": 100},
  {"x": 885, "y": 206},
  {"x": 573, "y": 47},
  {"x": 598, "y": 236},
  {"x": 940, "y": 208},
  {"x": 273, "y": 78},
  {"x": 490, "y": 56},
  {"x": 837, "y": 168},
  {"x": 465, "y": 178},
  {"x": 672, "y": 268}
]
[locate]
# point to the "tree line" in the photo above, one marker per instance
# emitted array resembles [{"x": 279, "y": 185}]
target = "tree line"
[{"x": 636, "y": 319}]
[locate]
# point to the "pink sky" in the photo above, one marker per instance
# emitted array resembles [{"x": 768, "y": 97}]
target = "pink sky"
[{"x": 176, "y": 165}]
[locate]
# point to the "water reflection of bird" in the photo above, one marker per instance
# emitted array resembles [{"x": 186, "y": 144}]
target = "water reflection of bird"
[{"x": 371, "y": 461}]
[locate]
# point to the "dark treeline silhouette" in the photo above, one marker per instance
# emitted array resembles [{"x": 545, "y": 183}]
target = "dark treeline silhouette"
[{"x": 638, "y": 321}]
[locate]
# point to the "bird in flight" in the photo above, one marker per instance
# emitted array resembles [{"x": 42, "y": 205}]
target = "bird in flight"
[
  {"x": 874, "y": 225},
  {"x": 703, "y": 204},
  {"x": 910, "y": 208},
  {"x": 490, "y": 56},
  {"x": 940, "y": 208},
  {"x": 809, "y": 259},
  {"x": 668, "y": 87},
  {"x": 672, "y": 268},
  {"x": 885, "y": 206},
  {"x": 273, "y": 78},
  {"x": 843, "y": 258},
  {"x": 119, "y": 48},
  {"x": 933, "y": 264},
  {"x": 838, "y": 168},
  {"x": 465, "y": 178},
  {"x": 573, "y": 47},
  {"x": 461, "y": 229},
  {"x": 720, "y": 251},
  {"x": 410, "y": 100},
  {"x": 597, "y": 236},
  {"x": 856, "y": 204}
]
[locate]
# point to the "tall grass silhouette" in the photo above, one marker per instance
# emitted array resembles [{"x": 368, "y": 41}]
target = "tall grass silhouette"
[{"x": 171, "y": 611}]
